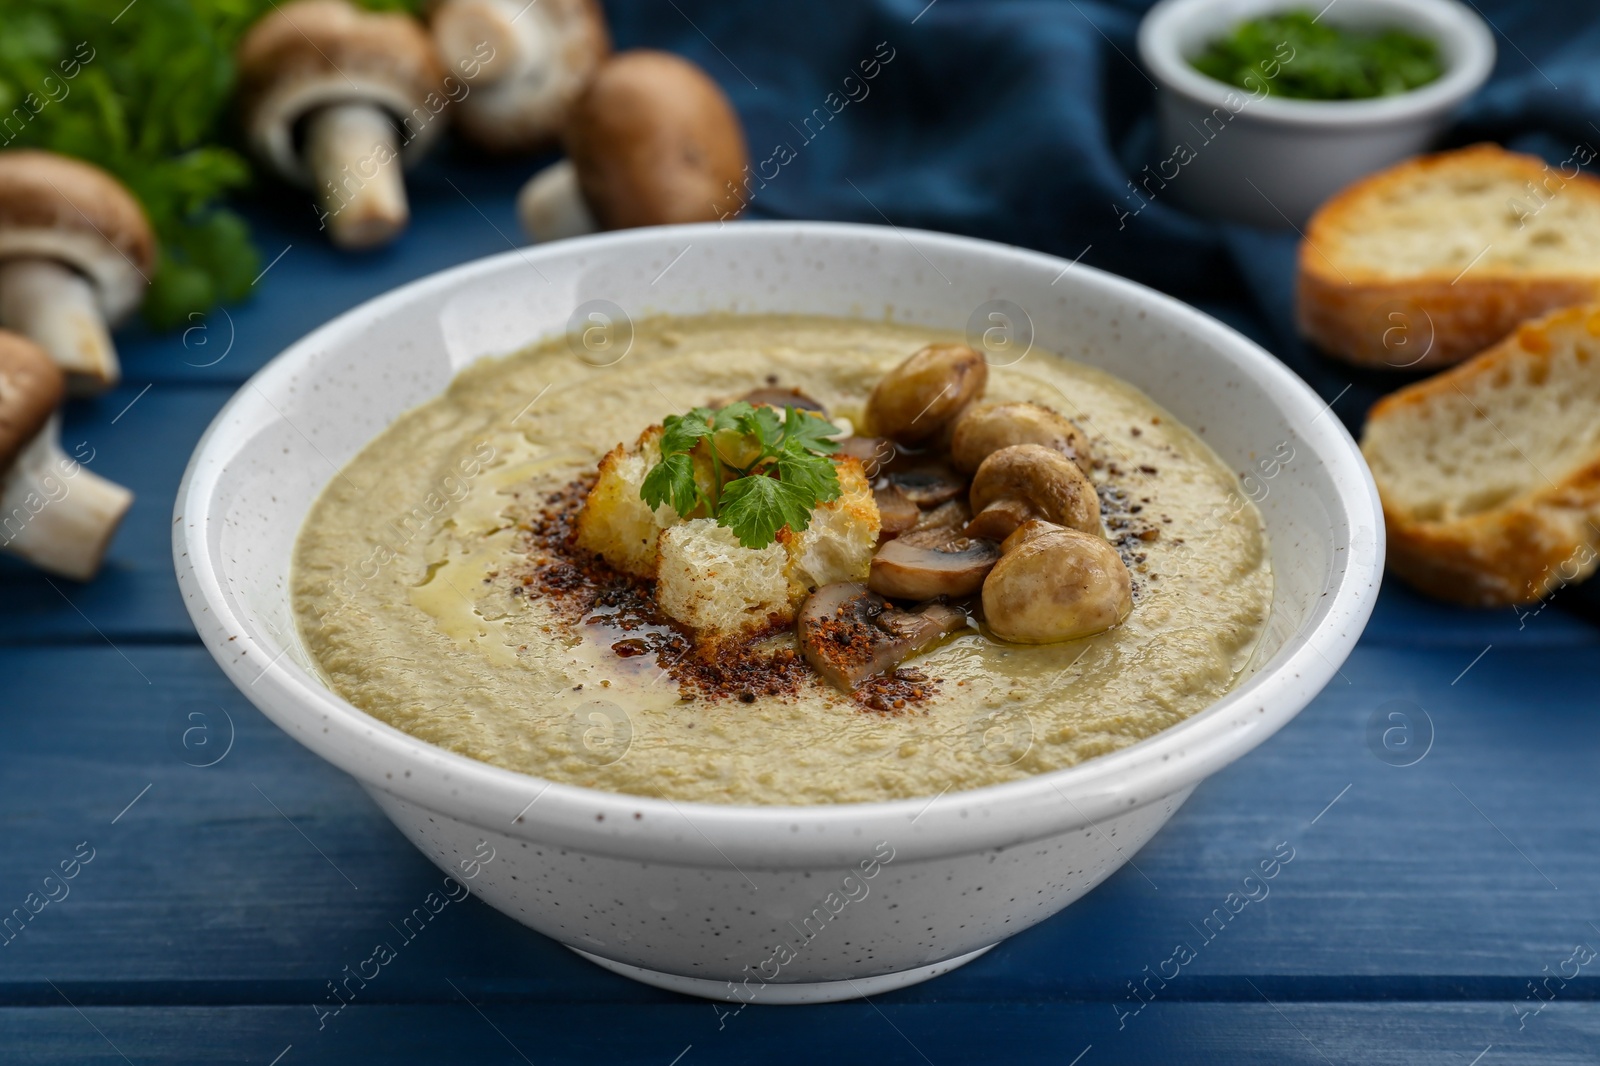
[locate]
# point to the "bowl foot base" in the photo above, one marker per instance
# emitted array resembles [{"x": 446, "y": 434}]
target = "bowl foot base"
[{"x": 783, "y": 993}]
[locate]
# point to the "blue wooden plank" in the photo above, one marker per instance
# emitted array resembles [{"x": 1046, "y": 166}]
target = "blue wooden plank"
[
  {"x": 1407, "y": 880},
  {"x": 688, "y": 1034}
]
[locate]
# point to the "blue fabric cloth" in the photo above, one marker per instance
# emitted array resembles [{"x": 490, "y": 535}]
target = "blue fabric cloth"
[{"x": 1022, "y": 121}]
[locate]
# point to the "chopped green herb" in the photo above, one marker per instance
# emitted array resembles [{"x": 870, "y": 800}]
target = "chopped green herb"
[
  {"x": 759, "y": 471},
  {"x": 1294, "y": 55}
]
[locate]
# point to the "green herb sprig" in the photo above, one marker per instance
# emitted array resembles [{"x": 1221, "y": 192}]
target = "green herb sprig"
[
  {"x": 791, "y": 473},
  {"x": 1294, "y": 54}
]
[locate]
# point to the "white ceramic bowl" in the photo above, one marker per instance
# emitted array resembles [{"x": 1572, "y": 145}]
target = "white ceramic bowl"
[
  {"x": 1270, "y": 160},
  {"x": 696, "y": 896}
]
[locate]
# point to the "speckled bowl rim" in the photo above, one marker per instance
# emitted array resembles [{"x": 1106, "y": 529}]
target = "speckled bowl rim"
[{"x": 786, "y": 837}]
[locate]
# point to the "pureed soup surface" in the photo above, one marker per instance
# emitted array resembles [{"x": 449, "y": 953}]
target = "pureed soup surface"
[{"x": 411, "y": 584}]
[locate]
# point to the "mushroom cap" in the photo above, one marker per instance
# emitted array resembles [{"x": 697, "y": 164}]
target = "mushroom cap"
[
  {"x": 526, "y": 113},
  {"x": 655, "y": 141},
  {"x": 1033, "y": 481},
  {"x": 927, "y": 563},
  {"x": 1056, "y": 584},
  {"x": 984, "y": 429},
  {"x": 312, "y": 53},
  {"x": 916, "y": 400},
  {"x": 54, "y": 207},
  {"x": 31, "y": 387},
  {"x": 896, "y": 512},
  {"x": 926, "y": 482}
]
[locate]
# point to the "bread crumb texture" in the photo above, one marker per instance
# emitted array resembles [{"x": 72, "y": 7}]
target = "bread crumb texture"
[
  {"x": 1430, "y": 261},
  {"x": 705, "y": 578},
  {"x": 1490, "y": 472}
]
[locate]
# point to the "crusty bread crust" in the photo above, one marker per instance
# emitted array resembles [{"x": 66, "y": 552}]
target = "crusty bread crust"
[
  {"x": 1434, "y": 319},
  {"x": 1532, "y": 543}
]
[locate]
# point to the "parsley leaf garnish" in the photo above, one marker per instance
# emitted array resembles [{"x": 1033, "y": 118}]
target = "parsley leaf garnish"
[
  {"x": 756, "y": 507},
  {"x": 783, "y": 470}
]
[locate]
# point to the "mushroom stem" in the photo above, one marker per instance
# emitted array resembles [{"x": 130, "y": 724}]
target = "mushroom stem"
[
  {"x": 56, "y": 514},
  {"x": 56, "y": 306},
  {"x": 551, "y": 205},
  {"x": 490, "y": 41},
  {"x": 354, "y": 158}
]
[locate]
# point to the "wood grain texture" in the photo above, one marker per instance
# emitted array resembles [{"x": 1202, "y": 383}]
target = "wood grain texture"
[
  {"x": 262, "y": 875},
  {"x": 886, "y": 1030}
]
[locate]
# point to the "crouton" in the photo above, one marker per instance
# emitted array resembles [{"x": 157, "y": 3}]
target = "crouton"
[
  {"x": 838, "y": 544},
  {"x": 709, "y": 582},
  {"x": 615, "y": 523}
]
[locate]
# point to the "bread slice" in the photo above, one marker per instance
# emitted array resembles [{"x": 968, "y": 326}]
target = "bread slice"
[
  {"x": 1490, "y": 472},
  {"x": 1430, "y": 261}
]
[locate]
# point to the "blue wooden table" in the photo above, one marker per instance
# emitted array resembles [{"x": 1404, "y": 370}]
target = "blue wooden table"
[{"x": 1441, "y": 905}]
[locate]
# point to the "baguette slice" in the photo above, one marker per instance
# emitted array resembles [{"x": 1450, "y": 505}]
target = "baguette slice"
[
  {"x": 1423, "y": 264},
  {"x": 1490, "y": 472}
]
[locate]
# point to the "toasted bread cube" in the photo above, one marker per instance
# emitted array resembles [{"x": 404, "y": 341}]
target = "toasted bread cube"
[
  {"x": 715, "y": 586},
  {"x": 615, "y": 523},
  {"x": 708, "y": 581},
  {"x": 839, "y": 542}
]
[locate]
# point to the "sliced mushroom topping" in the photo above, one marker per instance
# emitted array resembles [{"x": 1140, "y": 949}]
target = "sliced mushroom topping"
[
  {"x": 952, "y": 514},
  {"x": 848, "y": 633},
  {"x": 874, "y": 452},
  {"x": 774, "y": 396},
  {"x": 917, "y": 399},
  {"x": 1031, "y": 481},
  {"x": 1054, "y": 584},
  {"x": 927, "y": 483},
  {"x": 984, "y": 429},
  {"x": 896, "y": 512},
  {"x": 923, "y": 564}
]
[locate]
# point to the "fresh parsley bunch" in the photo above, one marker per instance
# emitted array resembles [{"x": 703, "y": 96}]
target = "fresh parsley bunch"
[
  {"x": 143, "y": 89},
  {"x": 789, "y": 475}
]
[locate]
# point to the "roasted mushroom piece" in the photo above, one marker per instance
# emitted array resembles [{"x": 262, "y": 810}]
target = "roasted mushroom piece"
[
  {"x": 926, "y": 563},
  {"x": 874, "y": 452},
  {"x": 525, "y": 64},
  {"x": 984, "y": 429},
  {"x": 849, "y": 634},
  {"x": 779, "y": 397},
  {"x": 917, "y": 399},
  {"x": 76, "y": 256},
  {"x": 896, "y": 512},
  {"x": 651, "y": 141},
  {"x": 1053, "y": 584},
  {"x": 926, "y": 482},
  {"x": 327, "y": 89},
  {"x": 53, "y": 513},
  {"x": 954, "y": 514},
  {"x": 1031, "y": 481}
]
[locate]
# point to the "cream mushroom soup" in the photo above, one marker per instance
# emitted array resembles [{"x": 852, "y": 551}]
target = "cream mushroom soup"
[{"x": 492, "y": 575}]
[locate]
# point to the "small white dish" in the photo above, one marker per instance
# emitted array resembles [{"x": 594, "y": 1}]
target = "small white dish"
[
  {"x": 1245, "y": 155},
  {"x": 697, "y": 897}
]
